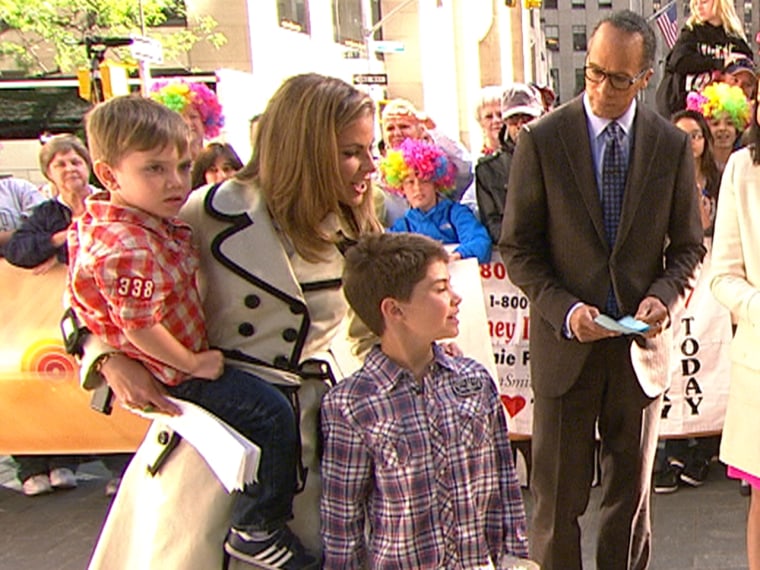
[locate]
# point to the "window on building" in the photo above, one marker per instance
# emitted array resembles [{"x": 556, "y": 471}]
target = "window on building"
[
  {"x": 580, "y": 80},
  {"x": 348, "y": 22},
  {"x": 603, "y": 4},
  {"x": 550, "y": 4},
  {"x": 748, "y": 19},
  {"x": 578, "y": 4},
  {"x": 294, "y": 15},
  {"x": 552, "y": 37},
  {"x": 579, "y": 38}
]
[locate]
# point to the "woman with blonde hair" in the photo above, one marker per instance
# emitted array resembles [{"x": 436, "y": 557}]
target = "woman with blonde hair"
[
  {"x": 712, "y": 39},
  {"x": 401, "y": 120},
  {"x": 488, "y": 114},
  {"x": 271, "y": 241},
  {"x": 297, "y": 173}
]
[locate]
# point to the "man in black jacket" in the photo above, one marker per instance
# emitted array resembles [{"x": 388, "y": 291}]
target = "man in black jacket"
[{"x": 520, "y": 104}]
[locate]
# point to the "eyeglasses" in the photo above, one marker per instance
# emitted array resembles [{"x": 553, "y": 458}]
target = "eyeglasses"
[
  {"x": 519, "y": 119},
  {"x": 618, "y": 81},
  {"x": 696, "y": 135}
]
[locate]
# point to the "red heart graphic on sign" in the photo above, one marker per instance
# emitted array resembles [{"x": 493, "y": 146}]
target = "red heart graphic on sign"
[{"x": 513, "y": 405}]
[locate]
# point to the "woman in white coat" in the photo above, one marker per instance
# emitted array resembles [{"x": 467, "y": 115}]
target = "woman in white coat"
[
  {"x": 735, "y": 282},
  {"x": 271, "y": 242}
]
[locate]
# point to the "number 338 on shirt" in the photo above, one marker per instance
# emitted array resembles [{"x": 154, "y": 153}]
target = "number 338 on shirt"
[{"x": 135, "y": 287}]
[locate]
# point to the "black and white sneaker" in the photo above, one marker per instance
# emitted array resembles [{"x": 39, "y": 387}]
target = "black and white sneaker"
[
  {"x": 695, "y": 472},
  {"x": 667, "y": 481},
  {"x": 280, "y": 551}
]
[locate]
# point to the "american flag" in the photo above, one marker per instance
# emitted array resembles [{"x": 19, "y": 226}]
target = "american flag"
[{"x": 667, "y": 21}]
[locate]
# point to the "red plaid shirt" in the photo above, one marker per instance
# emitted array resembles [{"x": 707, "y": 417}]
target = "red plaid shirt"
[{"x": 130, "y": 270}]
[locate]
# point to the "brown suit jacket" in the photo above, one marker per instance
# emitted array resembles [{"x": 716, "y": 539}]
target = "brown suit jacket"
[{"x": 554, "y": 244}]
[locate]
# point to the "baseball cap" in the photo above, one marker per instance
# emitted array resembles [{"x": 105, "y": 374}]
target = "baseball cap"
[
  {"x": 743, "y": 64},
  {"x": 521, "y": 99}
]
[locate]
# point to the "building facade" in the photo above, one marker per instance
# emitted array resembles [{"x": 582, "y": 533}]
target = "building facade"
[
  {"x": 436, "y": 53},
  {"x": 567, "y": 26}
]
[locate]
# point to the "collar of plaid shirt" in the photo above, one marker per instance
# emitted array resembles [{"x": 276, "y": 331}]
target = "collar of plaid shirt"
[{"x": 100, "y": 206}]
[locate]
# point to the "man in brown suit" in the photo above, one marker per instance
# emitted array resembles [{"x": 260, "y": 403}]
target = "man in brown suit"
[{"x": 600, "y": 220}]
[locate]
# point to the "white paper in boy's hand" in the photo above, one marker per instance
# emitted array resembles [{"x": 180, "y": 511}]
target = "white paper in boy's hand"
[{"x": 626, "y": 325}]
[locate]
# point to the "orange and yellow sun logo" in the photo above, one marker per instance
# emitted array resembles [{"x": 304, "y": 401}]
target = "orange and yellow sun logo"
[{"x": 48, "y": 357}]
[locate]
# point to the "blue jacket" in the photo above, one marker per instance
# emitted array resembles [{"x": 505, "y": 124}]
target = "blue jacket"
[{"x": 449, "y": 222}]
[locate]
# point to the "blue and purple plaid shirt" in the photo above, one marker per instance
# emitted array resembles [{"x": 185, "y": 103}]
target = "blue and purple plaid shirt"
[{"x": 428, "y": 465}]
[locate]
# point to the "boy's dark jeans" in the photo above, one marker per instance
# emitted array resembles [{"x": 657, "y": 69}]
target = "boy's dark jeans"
[{"x": 262, "y": 413}]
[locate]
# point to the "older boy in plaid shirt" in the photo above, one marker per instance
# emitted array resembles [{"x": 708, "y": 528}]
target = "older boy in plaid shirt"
[{"x": 416, "y": 441}]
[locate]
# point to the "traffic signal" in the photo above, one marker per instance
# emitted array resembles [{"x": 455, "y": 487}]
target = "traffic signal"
[
  {"x": 114, "y": 76},
  {"x": 112, "y": 82},
  {"x": 85, "y": 84}
]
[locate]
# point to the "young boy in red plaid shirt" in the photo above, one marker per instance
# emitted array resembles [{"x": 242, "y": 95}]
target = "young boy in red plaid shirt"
[
  {"x": 132, "y": 281},
  {"x": 415, "y": 443}
]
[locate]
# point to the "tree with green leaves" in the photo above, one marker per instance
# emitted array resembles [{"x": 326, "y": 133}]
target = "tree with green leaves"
[{"x": 48, "y": 36}]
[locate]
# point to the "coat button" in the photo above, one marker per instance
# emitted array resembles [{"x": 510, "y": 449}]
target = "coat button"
[
  {"x": 252, "y": 301},
  {"x": 282, "y": 362},
  {"x": 246, "y": 329},
  {"x": 297, "y": 309},
  {"x": 290, "y": 335}
]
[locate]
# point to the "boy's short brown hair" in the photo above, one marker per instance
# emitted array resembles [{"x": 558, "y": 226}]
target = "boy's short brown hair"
[
  {"x": 131, "y": 123},
  {"x": 382, "y": 266}
]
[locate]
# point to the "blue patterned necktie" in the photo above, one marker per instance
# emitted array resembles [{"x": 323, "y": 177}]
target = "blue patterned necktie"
[{"x": 613, "y": 185}]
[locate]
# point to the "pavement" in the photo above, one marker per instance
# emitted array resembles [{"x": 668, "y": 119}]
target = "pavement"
[{"x": 694, "y": 528}]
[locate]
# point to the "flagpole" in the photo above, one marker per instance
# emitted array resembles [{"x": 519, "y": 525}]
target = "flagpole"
[{"x": 660, "y": 11}]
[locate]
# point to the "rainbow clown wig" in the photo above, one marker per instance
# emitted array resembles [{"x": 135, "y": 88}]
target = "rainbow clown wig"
[
  {"x": 428, "y": 161},
  {"x": 177, "y": 94},
  {"x": 717, "y": 100}
]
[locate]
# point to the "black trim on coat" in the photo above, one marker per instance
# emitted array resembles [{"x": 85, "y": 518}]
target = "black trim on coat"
[{"x": 239, "y": 222}]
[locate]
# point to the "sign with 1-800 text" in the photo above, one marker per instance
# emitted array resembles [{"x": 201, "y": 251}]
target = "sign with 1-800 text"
[
  {"x": 508, "y": 314},
  {"x": 694, "y": 404}
]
